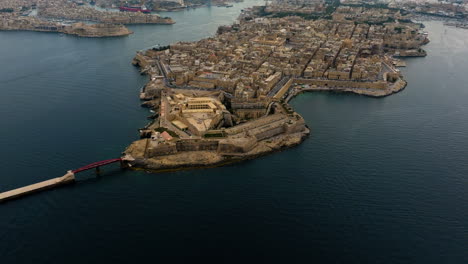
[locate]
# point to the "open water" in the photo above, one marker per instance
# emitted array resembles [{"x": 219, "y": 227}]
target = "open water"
[{"x": 378, "y": 181}]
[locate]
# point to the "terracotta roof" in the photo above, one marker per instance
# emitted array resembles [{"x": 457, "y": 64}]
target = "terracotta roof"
[{"x": 166, "y": 135}]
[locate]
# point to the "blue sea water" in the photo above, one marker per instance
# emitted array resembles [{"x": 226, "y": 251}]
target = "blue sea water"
[{"x": 378, "y": 181}]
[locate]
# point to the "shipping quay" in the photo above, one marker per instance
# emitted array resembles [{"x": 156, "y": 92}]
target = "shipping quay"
[{"x": 68, "y": 178}]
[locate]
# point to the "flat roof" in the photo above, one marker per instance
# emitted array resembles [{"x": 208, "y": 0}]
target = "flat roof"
[{"x": 179, "y": 124}]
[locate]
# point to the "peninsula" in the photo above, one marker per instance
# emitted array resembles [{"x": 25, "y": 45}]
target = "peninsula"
[
  {"x": 9, "y": 23},
  {"x": 164, "y": 5},
  {"x": 225, "y": 98},
  {"x": 64, "y": 9},
  {"x": 68, "y": 17}
]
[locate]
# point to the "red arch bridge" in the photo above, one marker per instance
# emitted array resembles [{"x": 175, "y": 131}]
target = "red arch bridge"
[{"x": 98, "y": 164}]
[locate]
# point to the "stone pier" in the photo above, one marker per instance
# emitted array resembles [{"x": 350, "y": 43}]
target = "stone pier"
[{"x": 40, "y": 186}]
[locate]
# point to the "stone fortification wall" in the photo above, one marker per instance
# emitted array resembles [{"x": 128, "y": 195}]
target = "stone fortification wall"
[
  {"x": 270, "y": 132},
  {"x": 225, "y": 146},
  {"x": 197, "y": 145},
  {"x": 243, "y": 145},
  {"x": 344, "y": 84},
  {"x": 273, "y": 128},
  {"x": 141, "y": 60},
  {"x": 295, "y": 127},
  {"x": 252, "y": 109},
  {"x": 254, "y": 124},
  {"x": 200, "y": 84},
  {"x": 250, "y": 113},
  {"x": 283, "y": 90},
  {"x": 182, "y": 145},
  {"x": 252, "y": 133},
  {"x": 214, "y": 122},
  {"x": 162, "y": 149}
]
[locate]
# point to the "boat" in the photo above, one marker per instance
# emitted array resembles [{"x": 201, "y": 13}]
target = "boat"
[{"x": 141, "y": 9}]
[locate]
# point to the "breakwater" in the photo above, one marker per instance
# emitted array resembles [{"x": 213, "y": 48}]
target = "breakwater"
[
  {"x": 68, "y": 178},
  {"x": 37, "y": 187}
]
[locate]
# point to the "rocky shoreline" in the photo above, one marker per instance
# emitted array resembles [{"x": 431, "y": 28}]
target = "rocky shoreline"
[
  {"x": 11, "y": 23},
  {"x": 97, "y": 30},
  {"x": 375, "y": 93},
  {"x": 209, "y": 159},
  {"x": 50, "y": 15}
]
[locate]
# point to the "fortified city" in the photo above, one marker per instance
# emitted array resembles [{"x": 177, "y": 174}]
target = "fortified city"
[
  {"x": 164, "y": 5},
  {"x": 71, "y": 17},
  {"x": 225, "y": 98}
]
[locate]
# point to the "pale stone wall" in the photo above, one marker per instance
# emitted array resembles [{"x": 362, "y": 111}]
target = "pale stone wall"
[
  {"x": 206, "y": 85},
  {"x": 283, "y": 90},
  {"x": 162, "y": 149},
  {"x": 344, "y": 84},
  {"x": 141, "y": 60},
  {"x": 196, "y": 145},
  {"x": 271, "y": 132},
  {"x": 243, "y": 145},
  {"x": 296, "y": 126},
  {"x": 250, "y": 113}
]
